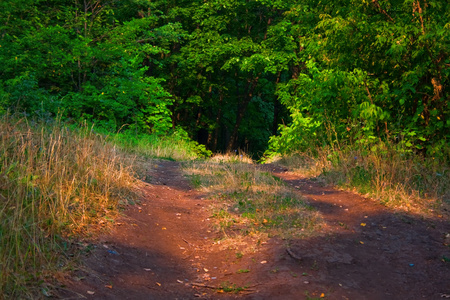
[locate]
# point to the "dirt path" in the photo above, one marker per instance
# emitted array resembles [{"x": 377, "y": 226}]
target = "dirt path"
[{"x": 165, "y": 249}]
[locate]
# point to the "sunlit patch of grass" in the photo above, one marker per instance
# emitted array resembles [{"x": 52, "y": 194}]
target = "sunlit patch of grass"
[
  {"x": 174, "y": 146},
  {"x": 241, "y": 271},
  {"x": 55, "y": 183},
  {"x": 238, "y": 157},
  {"x": 250, "y": 202},
  {"x": 402, "y": 181},
  {"x": 229, "y": 287}
]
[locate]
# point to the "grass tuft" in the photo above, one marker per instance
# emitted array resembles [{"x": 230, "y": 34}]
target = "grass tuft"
[{"x": 251, "y": 202}]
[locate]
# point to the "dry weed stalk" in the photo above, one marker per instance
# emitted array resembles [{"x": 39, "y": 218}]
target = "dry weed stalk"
[{"x": 54, "y": 183}]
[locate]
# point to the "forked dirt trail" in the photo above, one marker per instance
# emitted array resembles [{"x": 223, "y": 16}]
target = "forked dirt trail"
[{"x": 165, "y": 248}]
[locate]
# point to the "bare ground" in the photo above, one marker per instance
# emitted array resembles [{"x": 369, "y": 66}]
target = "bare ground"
[{"x": 165, "y": 248}]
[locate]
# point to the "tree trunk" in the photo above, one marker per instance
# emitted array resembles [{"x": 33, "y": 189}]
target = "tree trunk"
[
  {"x": 218, "y": 118},
  {"x": 241, "y": 113}
]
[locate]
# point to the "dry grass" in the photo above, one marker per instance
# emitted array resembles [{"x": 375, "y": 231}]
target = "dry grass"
[
  {"x": 240, "y": 157},
  {"x": 54, "y": 183},
  {"x": 251, "y": 202},
  {"x": 401, "y": 181}
]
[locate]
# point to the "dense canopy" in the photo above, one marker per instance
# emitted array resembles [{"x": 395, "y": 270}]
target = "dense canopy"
[{"x": 234, "y": 74}]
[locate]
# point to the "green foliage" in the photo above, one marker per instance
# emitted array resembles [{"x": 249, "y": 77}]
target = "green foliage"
[
  {"x": 80, "y": 54},
  {"x": 175, "y": 145},
  {"x": 370, "y": 71},
  {"x": 229, "y": 72}
]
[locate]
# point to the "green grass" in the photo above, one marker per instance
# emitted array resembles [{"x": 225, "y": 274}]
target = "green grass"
[
  {"x": 228, "y": 287},
  {"x": 241, "y": 271},
  {"x": 173, "y": 146}
]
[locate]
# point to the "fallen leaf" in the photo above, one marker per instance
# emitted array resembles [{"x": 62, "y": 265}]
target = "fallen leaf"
[
  {"x": 179, "y": 281},
  {"x": 322, "y": 295},
  {"x": 361, "y": 242},
  {"x": 264, "y": 262},
  {"x": 108, "y": 286},
  {"x": 363, "y": 224},
  {"x": 159, "y": 284},
  {"x": 265, "y": 221},
  {"x": 205, "y": 269},
  {"x": 164, "y": 228},
  {"x": 90, "y": 292}
]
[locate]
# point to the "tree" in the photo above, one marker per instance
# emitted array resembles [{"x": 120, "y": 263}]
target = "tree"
[{"x": 374, "y": 70}]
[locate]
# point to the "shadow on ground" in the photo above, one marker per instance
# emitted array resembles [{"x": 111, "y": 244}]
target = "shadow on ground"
[{"x": 166, "y": 249}]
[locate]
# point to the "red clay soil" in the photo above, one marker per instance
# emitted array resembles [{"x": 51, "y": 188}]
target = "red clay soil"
[{"x": 165, "y": 248}]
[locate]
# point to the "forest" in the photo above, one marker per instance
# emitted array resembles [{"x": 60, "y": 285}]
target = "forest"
[
  {"x": 236, "y": 74},
  {"x": 95, "y": 93}
]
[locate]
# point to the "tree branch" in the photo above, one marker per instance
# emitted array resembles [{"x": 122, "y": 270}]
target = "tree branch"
[
  {"x": 377, "y": 5},
  {"x": 419, "y": 10}
]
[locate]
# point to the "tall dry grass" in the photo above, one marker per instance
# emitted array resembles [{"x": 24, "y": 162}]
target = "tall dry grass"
[
  {"x": 54, "y": 183},
  {"x": 399, "y": 180}
]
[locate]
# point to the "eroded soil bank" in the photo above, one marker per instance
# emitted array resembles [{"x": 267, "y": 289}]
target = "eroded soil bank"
[{"x": 165, "y": 248}]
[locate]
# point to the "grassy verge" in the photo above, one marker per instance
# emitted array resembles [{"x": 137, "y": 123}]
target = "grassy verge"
[
  {"x": 249, "y": 202},
  {"x": 402, "y": 181},
  {"x": 174, "y": 146},
  {"x": 55, "y": 183}
]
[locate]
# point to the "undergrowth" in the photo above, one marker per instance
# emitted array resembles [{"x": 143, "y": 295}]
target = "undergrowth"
[
  {"x": 400, "y": 180},
  {"x": 249, "y": 201},
  {"x": 173, "y": 146},
  {"x": 55, "y": 184}
]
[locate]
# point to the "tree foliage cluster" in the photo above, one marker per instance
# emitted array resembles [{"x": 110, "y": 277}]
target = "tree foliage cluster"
[{"x": 233, "y": 73}]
